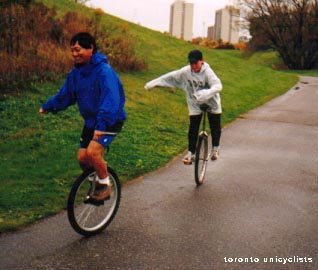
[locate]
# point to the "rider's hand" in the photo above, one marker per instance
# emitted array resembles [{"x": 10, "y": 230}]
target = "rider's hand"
[
  {"x": 199, "y": 97},
  {"x": 98, "y": 134},
  {"x": 41, "y": 111},
  {"x": 150, "y": 85},
  {"x": 203, "y": 95}
]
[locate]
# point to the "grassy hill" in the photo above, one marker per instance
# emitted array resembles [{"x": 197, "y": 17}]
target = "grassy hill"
[{"x": 38, "y": 162}]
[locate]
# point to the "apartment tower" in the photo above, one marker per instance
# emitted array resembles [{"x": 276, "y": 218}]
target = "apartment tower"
[
  {"x": 181, "y": 20},
  {"x": 227, "y": 24}
]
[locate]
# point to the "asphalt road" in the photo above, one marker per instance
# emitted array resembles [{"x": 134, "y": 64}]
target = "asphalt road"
[{"x": 257, "y": 208}]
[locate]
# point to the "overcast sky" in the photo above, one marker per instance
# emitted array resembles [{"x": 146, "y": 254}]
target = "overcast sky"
[{"x": 155, "y": 14}]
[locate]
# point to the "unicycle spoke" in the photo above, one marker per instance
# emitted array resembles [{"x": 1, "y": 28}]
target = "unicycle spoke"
[{"x": 84, "y": 214}]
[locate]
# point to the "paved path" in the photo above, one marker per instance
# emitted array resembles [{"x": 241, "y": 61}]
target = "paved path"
[{"x": 258, "y": 204}]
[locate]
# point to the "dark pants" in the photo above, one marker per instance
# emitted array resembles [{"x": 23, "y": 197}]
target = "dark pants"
[{"x": 215, "y": 127}]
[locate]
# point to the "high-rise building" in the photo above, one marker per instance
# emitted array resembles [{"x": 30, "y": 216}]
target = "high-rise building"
[
  {"x": 227, "y": 24},
  {"x": 181, "y": 20},
  {"x": 211, "y": 31}
]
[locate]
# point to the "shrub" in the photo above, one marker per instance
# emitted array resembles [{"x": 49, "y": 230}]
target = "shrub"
[
  {"x": 225, "y": 45},
  {"x": 35, "y": 45}
]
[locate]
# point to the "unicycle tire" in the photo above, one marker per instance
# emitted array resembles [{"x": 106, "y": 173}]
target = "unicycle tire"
[
  {"x": 88, "y": 218},
  {"x": 201, "y": 159}
]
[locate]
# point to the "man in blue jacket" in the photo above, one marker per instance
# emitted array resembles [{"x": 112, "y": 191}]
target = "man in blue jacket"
[{"x": 99, "y": 93}]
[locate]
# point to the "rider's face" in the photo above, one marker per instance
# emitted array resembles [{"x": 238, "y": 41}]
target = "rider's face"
[
  {"x": 196, "y": 67},
  {"x": 81, "y": 55}
]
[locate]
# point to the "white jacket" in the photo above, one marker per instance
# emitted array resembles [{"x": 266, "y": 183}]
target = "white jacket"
[{"x": 202, "y": 87}]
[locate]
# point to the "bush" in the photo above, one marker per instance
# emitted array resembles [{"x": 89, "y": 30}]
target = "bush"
[
  {"x": 35, "y": 45},
  {"x": 226, "y": 46}
]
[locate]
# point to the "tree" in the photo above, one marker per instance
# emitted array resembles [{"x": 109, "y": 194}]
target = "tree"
[{"x": 288, "y": 26}]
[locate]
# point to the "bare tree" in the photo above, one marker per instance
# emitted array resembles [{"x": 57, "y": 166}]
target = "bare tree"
[{"x": 289, "y": 26}]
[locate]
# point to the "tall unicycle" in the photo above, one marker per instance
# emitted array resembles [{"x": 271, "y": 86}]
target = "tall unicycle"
[
  {"x": 89, "y": 217},
  {"x": 202, "y": 152}
]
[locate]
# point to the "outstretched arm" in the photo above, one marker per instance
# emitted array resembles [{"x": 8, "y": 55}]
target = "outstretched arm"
[
  {"x": 171, "y": 79},
  {"x": 60, "y": 101}
]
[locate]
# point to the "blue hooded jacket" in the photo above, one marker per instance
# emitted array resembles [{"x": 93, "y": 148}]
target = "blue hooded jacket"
[{"x": 97, "y": 90}]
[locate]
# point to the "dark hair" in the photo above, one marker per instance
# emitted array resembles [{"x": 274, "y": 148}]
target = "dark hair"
[
  {"x": 85, "y": 40},
  {"x": 195, "y": 56}
]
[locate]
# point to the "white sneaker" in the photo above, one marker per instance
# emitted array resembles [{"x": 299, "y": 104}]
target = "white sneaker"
[
  {"x": 188, "y": 158},
  {"x": 215, "y": 153}
]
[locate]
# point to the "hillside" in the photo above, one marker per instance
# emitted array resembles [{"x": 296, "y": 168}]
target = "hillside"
[{"x": 40, "y": 161}]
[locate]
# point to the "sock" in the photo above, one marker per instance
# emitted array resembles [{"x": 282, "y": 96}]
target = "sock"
[{"x": 104, "y": 181}]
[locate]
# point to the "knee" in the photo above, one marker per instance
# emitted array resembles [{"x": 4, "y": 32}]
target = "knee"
[
  {"x": 82, "y": 157},
  {"x": 92, "y": 154}
]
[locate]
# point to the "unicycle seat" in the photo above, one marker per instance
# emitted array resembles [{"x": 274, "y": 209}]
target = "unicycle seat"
[{"x": 204, "y": 107}]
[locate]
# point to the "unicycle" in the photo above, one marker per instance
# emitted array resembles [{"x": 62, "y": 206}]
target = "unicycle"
[
  {"x": 202, "y": 151},
  {"x": 92, "y": 217}
]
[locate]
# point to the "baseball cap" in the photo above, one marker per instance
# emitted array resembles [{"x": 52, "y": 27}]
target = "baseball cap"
[{"x": 194, "y": 56}]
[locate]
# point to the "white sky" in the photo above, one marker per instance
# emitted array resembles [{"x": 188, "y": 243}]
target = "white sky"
[{"x": 155, "y": 14}]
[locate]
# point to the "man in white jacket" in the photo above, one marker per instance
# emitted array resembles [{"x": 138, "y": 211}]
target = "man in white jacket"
[{"x": 201, "y": 86}]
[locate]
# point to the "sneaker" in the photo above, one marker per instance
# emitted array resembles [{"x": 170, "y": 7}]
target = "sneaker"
[
  {"x": 215, "y": 153},
  {"x": 188, "y": 158},
  {"x": 101, "y": 193}
]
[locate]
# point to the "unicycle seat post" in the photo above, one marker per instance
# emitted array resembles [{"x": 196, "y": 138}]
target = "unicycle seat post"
[{"x": 204, "y": 108}]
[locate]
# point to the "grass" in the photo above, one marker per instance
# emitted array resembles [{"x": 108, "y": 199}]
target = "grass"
[{"x": 38, "y": 164}]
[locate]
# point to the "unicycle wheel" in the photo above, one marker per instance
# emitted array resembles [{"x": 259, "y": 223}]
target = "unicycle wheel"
[
  {"x": 89, "y": 218},
  {"x": 201, "y": 159}
]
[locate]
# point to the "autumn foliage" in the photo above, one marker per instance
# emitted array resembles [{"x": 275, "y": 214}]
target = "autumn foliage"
[
  {"x": 34, "y": 44},
  {"x": 218, "y": 44}
]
